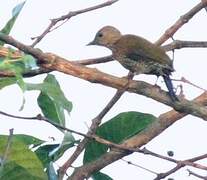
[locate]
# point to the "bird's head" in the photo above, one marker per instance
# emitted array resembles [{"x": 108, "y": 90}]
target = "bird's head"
[{"x": 106, "y": 36}]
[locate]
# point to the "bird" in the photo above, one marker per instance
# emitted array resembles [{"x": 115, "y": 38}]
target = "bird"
[{"x": 137, "y": 54}]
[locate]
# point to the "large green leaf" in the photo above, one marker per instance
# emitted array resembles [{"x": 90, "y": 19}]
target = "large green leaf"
[
  {"x": 52, "y": 100},
  {"x": 119, "y": 128},
  {"x": 51, "y": 109},
  {"x": 22, "y": 159},
  {"x": 15, "y": 12},
  {"x": 13, "y": 171},
  {"x": 26, "y": 139}
]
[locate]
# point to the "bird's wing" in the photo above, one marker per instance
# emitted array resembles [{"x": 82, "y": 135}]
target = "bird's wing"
[
  {"x": 138, "y": 54},
  {"x": 138, "y": 48}
]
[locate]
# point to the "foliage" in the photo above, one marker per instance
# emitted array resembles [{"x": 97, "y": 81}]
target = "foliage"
[
  {"x": 22, "y": 162},
  {"x": 15, "y": 12},
  {"x": 19, "y": 161},
  {"x": 117, "y": 129}
]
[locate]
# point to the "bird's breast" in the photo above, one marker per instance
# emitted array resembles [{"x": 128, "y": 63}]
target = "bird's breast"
[{"x": 142, "y": 66}]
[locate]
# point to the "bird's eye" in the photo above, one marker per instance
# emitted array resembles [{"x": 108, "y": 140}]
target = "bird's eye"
[{"x": 100, "y": 35}]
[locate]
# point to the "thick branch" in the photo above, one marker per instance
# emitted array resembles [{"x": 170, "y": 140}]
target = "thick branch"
[{"x": 55, "y": 63}]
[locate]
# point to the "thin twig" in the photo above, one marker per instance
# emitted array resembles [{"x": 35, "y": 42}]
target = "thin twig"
[
  {"x": 196, "y": 175},
  {"x": 148, "y": 152},
  {"x": 141, "y": 167},
  {"x": 42, "y": 118},
  {"x": 66, "y": 18},
  {"x": 178, "y": 44},
  {"x": 95, "y": 60},
  {"x": 180, "y": 22},
  {"x": 163, "y": 175},
  {"x": 180, "y": 164},
  {"x": 184, "y": 80}
]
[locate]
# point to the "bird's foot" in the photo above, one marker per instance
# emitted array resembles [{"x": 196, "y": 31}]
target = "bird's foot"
[
  {"x": 157, "y": 86},
  {"x": 128, "y": 77},
  {"x": 179, "y": 90}
]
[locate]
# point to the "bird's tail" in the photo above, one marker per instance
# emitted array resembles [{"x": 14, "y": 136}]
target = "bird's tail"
[{"x": 169, "y": 85}]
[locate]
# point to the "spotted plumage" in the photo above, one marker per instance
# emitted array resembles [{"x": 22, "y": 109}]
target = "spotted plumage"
[{"x": 137, "y": 54}]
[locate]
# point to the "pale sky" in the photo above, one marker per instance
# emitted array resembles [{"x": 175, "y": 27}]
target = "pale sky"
[{"x": 145, "y": 18}]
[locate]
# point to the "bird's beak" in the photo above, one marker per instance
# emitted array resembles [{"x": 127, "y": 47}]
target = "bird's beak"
[{"x": 91, "y": 43}]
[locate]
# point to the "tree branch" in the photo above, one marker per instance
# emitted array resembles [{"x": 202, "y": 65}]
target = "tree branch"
[
  {"x": 178, "y": 44},
  {"x": 55, "y": 63},
  {"x": 95, "y": 61},
  {"x": 180, "y": 22},
  {"x": 127, "y": 150},
  {"x": 163, "y": 122},
  {"x": 196, "y": 175},
  {"x": 181, "y": 164}
]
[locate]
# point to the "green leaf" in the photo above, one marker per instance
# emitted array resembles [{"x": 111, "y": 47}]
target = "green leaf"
[
  {"x": 7, "y": 81},
  {"x": 24, "y": 64},
  {"x": 118, "y": 129},
  {"x": 21, "y": 64},
  {"x": 17, "y": 9},
  {"x": 26, "y": 139},
  {"x": 52, "y": 100},
  {"x": 10, "y": 65},
  {"x": 101, "y": 176},
  {"x": 23, "y": 157},
  {"x": 68, "y": 142},
  {"x": 17, "y": 70},
  {"x": 51, "y": 109},
  {"x": 43, "y": 153},
  {"x": 68, "y": 139},
  {"x": 13, "y": 171},
  {"x": 15, "y": 12},
  {"x": 52, "y": 152},
  {"x": 18, "y": 67},
  {"x": 29, "y": 62}
]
